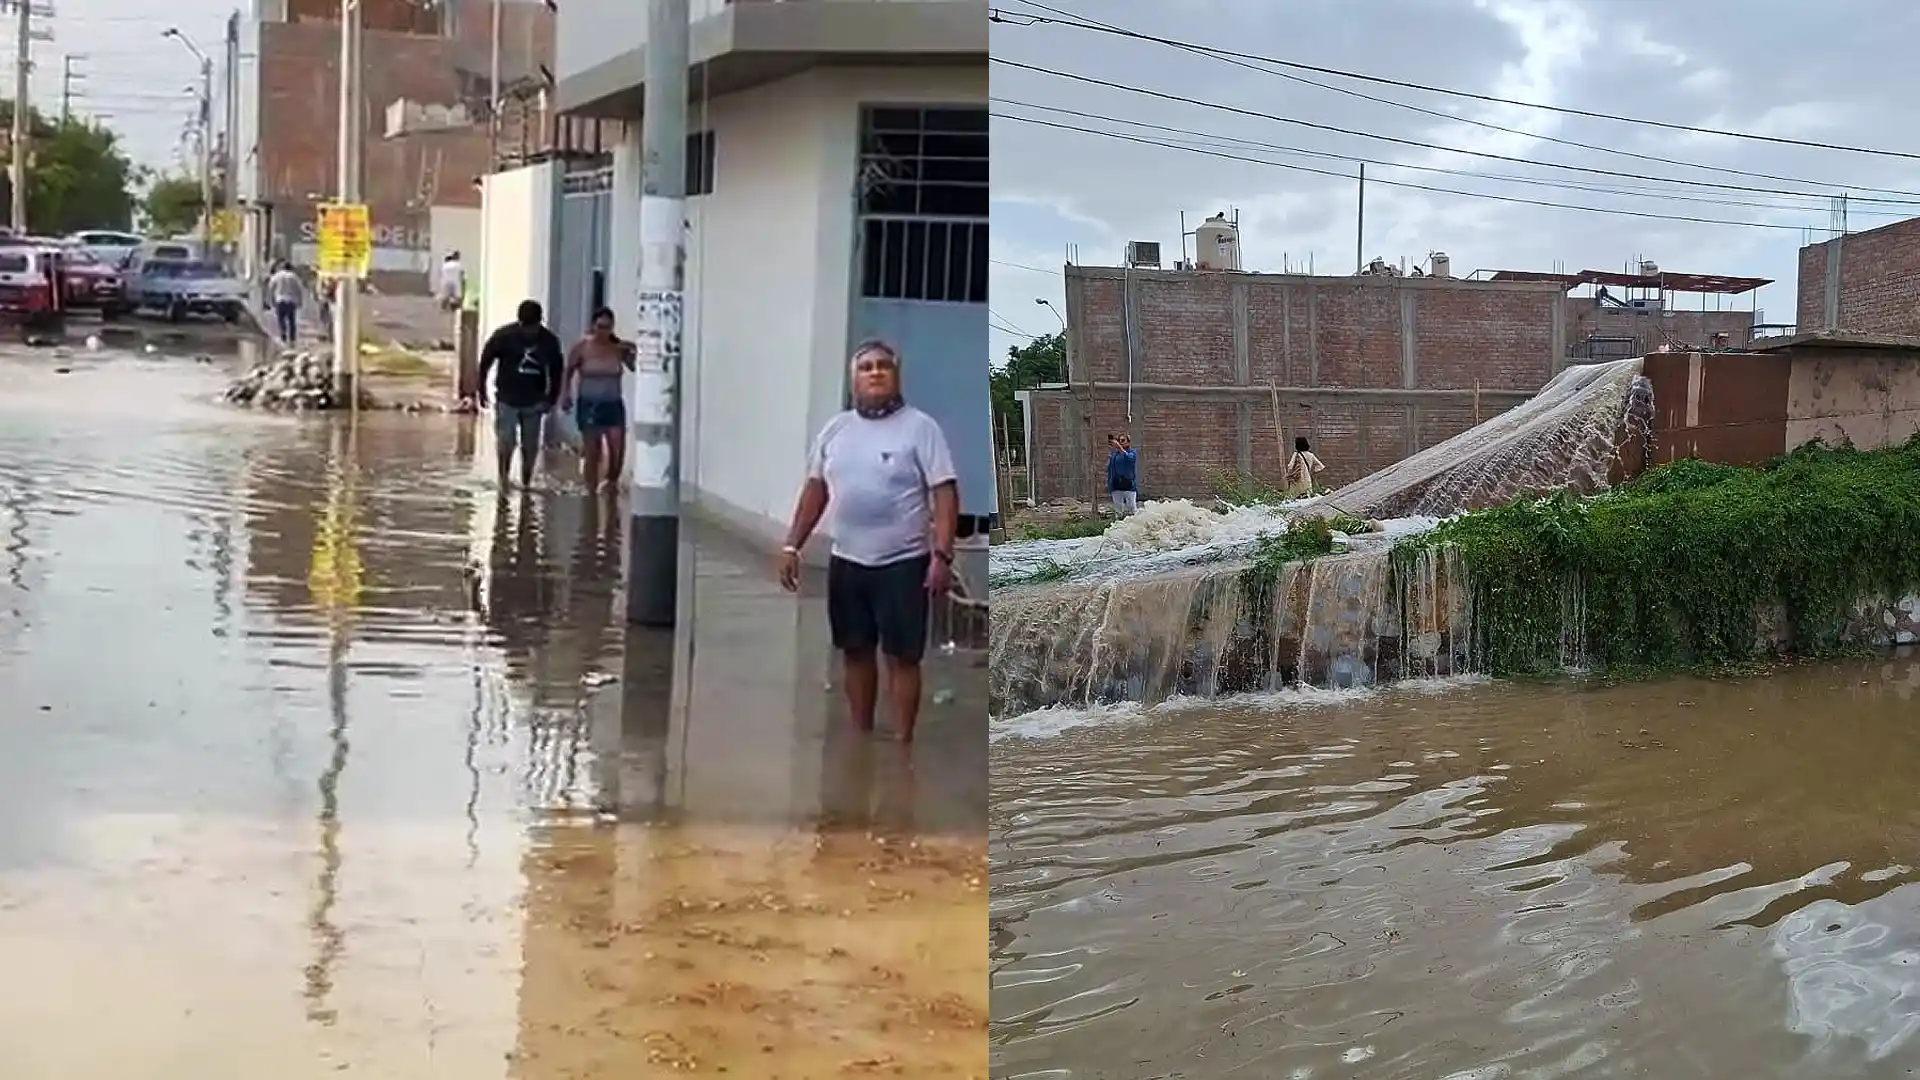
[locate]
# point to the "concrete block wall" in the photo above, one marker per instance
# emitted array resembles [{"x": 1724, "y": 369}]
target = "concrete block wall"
[
  {"x": 1879, "y": 282},
  {"x": 1371, "y": 369}
]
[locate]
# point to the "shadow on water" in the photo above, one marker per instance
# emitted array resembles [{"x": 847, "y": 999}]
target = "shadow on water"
[{"x": 316, "y": 753}]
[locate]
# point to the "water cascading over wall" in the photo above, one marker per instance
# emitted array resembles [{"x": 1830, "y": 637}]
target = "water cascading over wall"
[
  {"x": 1351, "y": 619},
  {"x": 1341, "y": 621}
]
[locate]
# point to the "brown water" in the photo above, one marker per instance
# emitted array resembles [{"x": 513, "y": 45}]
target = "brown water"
[
  {"x": 316, "y": 757},
  {"x": 1679, "y": 879}
]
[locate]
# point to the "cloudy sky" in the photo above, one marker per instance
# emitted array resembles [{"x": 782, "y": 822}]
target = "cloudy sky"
[
  {"x": 125, "y": 71},
  {"x": 1773, "y": 67}
]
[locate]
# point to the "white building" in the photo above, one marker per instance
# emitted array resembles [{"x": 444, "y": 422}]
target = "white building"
[{"x": 837, "y": 173}]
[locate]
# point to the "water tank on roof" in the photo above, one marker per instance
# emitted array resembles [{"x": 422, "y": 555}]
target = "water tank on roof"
[
  {"x": 1442, "y": 266},
  {"x": 1217, "y": 244},
  {"x": 1649, "y": 268}
]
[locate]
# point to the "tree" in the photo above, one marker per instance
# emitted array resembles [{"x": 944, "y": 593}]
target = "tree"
[
  {"x": 1042, "y": 360},
  {"x": 172, "y": 204},
  {"x": 77, "y": 176}
]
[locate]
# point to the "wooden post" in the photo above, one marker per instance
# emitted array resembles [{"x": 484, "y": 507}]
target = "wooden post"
[{"x": 1476, "y": 403}]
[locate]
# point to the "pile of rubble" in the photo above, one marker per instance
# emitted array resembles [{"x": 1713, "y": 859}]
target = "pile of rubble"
[{"x": 293, "y": 380}]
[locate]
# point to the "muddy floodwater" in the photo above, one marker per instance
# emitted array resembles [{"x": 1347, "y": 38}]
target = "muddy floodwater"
[
  {"x": 318, "y": 758},
  {"x": 1678, "y": 879}
]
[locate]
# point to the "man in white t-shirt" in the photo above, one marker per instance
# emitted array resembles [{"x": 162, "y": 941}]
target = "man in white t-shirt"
[{"x": 886, "y": 472}]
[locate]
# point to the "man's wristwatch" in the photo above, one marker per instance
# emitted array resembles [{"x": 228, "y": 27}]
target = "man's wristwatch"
[
  {"x": 944, "y": 556},
  {"x": 789, "y": 549}
]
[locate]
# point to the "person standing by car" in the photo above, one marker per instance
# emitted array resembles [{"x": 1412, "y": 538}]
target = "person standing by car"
[
  {"x": 286, "y": 290},
  {"x": 531, "y": 366},
  {"x": 1123, "y": 475},
  {"x": 886, "y": 471}
]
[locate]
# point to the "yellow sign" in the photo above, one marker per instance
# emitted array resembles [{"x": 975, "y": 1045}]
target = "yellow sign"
[
  {"x": 226, "y": 226},
  {"x": 346, "y": 240}
]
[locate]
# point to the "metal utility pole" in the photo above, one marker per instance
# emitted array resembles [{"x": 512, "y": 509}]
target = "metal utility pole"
[
  {"x": 653, "y": 536},
  {"x": 22, "y": 111},
  {"x": 346, "y": 304},
  {"x": 206, "y": 158},
  {"x": 1360, "y": 225},
  {"x": 68, "y": 77},
  {"x": 206, "y": 137},
  {"x": 493, "y": 90}
]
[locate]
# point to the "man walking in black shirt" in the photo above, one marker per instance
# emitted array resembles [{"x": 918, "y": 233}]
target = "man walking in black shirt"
[{"x": 527, "y": 387}]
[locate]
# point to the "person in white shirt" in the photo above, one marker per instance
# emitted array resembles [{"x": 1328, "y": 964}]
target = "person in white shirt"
[
  {"x": 287, "y": 290},
  {"x": 1302, "y": 467},
  {"x": 885, "y": 471},
  {"x": 453, "y": 281}
]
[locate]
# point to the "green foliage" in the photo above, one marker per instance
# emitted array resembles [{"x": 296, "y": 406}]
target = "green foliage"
[
  {"x": 77, "y": 177},
  {"x": 1042, "y": 360},
  {"x": 1071, "y": 528},
  {"x": 172, "y": 204},
  {"x": 1307, "y": 538},
  {"x": 1236, "y": 488},
  {"x": 1677, "y": 569}
]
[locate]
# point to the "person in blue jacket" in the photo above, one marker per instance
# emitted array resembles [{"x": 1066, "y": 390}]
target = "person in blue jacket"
[{"x": 1123, "y": 483}]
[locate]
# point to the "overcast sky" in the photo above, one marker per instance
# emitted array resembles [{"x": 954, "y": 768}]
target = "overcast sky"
[
  {"x": 125, "y": 69},
  {"x": 1775, "y": 67}
]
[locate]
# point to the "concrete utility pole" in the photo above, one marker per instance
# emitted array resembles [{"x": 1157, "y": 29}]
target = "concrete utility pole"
[
  {"x": 346, "y": 304},
  {"x": 22, "y": 111},
  {"x": 653, "y": 536},
  {"x": 1360, "y": 224},
  {"x": 493, "y": 90}
]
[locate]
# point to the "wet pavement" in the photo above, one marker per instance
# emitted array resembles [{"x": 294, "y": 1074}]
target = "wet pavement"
[
  {"x": 1677, "y": 879},
  {"x": 319, "y": 758}
]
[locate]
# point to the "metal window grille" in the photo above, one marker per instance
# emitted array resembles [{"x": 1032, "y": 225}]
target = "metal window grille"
[{"x": 923, "y": 203}]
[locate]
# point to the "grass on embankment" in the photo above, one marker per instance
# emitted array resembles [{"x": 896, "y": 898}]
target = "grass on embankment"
[{"x": 1677, "y": 565}]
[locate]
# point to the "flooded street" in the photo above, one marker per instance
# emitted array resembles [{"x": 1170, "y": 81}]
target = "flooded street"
[
  {"x": 1679, "y": 879},
  {"x": 318, "y": 758}
]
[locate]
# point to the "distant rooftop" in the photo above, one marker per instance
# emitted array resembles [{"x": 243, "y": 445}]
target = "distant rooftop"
[{"x": 1688, "y": 283}]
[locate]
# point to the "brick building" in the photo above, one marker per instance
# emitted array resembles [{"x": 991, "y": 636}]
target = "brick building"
[
  {"x": 421, "y": 53},
  {"x": 1864, "y": 282},
  {"x": 1215, "y": 373}
]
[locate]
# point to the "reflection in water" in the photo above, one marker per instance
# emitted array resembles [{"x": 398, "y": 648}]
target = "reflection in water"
[
  {"x": 551, "y": 856},
  {"x": 1694, "y": 878}
]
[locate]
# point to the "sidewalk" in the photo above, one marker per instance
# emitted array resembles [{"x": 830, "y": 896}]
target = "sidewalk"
[{"x": 414, "y": 322}]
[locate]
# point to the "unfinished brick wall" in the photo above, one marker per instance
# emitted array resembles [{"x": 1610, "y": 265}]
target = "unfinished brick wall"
[
  {"x": 1228, "y": 368},
  {"x": 405, "y": 177},
  {"x": 1652, "y": 329},
  {"x": 1879, "y": 281}
]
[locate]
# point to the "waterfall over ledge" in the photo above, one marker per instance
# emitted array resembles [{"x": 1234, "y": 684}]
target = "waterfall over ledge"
[{"x": 1107, "y": 622}]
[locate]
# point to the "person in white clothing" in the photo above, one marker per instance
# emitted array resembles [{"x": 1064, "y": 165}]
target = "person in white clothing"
[
  {"x": 1302, "y": 467},
  {"x": 885, "y": 471},
  {"x": 453, "y": 281}
]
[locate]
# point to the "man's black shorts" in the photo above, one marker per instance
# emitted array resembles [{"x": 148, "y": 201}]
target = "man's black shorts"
[{"x": 883, "y": 606}]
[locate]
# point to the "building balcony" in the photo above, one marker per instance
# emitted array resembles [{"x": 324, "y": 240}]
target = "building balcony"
[{"x": 600, "y": 45}]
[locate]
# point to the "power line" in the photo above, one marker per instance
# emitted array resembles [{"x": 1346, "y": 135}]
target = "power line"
[
  {"x": 1779, "y": 140},
  {"x": 1404, "y": 184},
  {"x": 1086, "y": 23},
  {"x": 1566, "y": 185},
  {"x": 1022, "y": 266},
  {"x": 1417, "y": 144}
]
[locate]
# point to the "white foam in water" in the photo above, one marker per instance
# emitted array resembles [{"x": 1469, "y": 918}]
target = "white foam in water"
[
  {"x": 1053, "y": 722},
  {"x": 1169, "y": 533}
]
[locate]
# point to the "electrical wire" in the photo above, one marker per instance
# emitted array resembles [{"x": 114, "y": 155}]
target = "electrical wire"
[
  {"x": 1381, "y": 80},
  {"x": 1417, "y": 144},
  {"x": 1022, "y": 266},
  {"x": 1087, "y": 23},
  {"x": 1568, "y": 185},
  {"x": 1514, "y": 199}
]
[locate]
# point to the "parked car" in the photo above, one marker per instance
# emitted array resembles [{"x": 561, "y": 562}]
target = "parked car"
[
  {"x": 108, "y": 246},
  {"x": 87, "y": 282},
  {"x": 29, "y": 291},
  {"x": 179, "y": 287},
  {"x": 157, "y": 251}
]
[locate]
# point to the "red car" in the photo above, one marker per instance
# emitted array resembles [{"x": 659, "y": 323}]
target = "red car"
[
  {"x": 86, "y": 282},
  {"x": 30, "y": 295}
]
